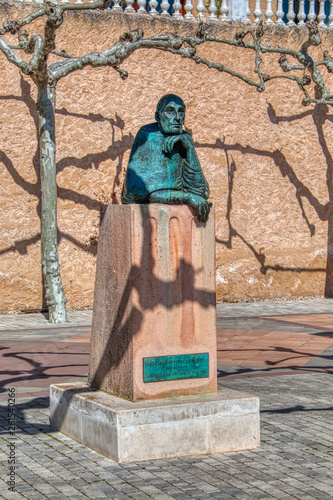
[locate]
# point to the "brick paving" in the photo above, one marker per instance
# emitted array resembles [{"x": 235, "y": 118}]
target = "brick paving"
[{"x": 282, "y": 352}]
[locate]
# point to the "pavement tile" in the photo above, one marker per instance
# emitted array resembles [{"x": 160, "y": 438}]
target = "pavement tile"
[
  {"x": 265, "y": 348},
  {"x": 138, "y": 495},
  {"x": 91, "y": 492}
]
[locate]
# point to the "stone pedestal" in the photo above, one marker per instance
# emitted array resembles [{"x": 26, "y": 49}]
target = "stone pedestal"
[
  {"x": 127, "y": 432},
  {"x": 154, "y": 326},
  {"x": 154, "y": 338}
]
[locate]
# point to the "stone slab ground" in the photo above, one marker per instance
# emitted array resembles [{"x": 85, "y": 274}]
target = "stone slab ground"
[{"x": 296, "y": 455}]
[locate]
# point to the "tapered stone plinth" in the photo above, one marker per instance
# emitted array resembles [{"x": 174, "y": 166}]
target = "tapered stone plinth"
[{"x": 154, "y": 331}]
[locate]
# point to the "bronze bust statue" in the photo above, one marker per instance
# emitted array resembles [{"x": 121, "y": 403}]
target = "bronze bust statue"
[{"x": 163, "y": 165}]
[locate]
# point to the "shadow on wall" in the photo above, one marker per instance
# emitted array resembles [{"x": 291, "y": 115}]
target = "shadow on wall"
[
  {"x": 90, "y": 161},
  {"x": 324, "y": 211},
  {"x": 116, "y": 152}
]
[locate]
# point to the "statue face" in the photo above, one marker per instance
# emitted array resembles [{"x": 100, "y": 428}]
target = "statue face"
[{"x": 171, "y": 118}]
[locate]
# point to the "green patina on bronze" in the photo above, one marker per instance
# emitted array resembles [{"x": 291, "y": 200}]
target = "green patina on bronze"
[
  {"x": 163, "y": 165},
  {"x": 184, "y": 366}
]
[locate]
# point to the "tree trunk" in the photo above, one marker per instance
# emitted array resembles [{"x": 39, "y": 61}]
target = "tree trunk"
[
  {"x": 329, "y": 262},
  {"x": 54, "y": 291}
]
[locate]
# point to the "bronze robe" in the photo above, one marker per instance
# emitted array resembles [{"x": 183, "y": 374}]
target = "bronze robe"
[{"x": 150, "y": 169}]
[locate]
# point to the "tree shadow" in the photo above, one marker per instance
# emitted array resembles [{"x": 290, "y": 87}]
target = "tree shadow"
[
  {"x": 324, "y": 210},
  {"x": 273, "y": 368},
  {"x": 21, "y": 246},
  {"x": 296, "y": 408},
  {"x": 36, "y": 363},
  {"x": 115, "y": 151},
  {"x": 291, "y": 354},
  {"x": 31, "y": 368},
  {"x": 248, "y": 371},
  {"x": 21, "y": 424}
]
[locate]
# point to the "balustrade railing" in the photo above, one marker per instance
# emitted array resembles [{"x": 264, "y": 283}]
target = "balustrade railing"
[{"x": 282, "y": 12}]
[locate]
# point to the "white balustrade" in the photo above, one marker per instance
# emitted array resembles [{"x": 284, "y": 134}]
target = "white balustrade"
[
  {"x": 257, "y": 12},
  {"x": 142, "y": 7},
  {"x": 224, "y": 10},
  {"x": 312, "y": 14},
  {"x": 230, "y": 10},
  {"x": 153, "y": 4},
  {"x": 291, "y": 13},
  {"x": 188, "y": 9},
  {"x": 269, "y": 13},
  {"x": 248, "y": 12},
  {"x": 279, "y": 13},
  {"x": 165, "y": 7},
  {"x": 176, "y": 9},
  {"x": 301, "y": 16},
  {"x": 212, "y": 10},
  {"x": 201, "y": 9},
  {"x": 117, "y": 5},
  {"x": 330, "y": 17},
  {"x": 129, "y": 7},
  {"x": 322, "y": 15}
]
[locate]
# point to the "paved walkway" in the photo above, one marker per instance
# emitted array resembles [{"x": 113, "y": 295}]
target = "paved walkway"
[{"x": 281, "y": 351}]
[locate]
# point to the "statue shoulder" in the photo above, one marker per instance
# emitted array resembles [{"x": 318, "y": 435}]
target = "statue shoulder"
[
  {"x": 151, "y": 128},
  {"x": 146, "y": 138}
]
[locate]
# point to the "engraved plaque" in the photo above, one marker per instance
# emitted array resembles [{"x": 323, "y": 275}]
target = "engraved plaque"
[{"x": 183, "y": 366}]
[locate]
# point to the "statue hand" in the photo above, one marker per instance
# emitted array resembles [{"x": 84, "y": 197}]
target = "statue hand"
[
  {"x": 200, "y": 205},
  {"x": 169, "y": 142}
]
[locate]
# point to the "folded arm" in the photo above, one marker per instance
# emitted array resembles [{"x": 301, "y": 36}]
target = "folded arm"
[{"x": 173, "y": 197}]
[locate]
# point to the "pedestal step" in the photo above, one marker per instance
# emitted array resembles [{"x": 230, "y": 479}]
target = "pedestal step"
[{"x": 128, "y": 432}]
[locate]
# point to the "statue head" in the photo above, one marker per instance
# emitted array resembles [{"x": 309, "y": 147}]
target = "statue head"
[{"x": 170, "y": 114}]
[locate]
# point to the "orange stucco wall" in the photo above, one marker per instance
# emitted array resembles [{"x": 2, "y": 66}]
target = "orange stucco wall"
[{"x": 266, "y": 157}]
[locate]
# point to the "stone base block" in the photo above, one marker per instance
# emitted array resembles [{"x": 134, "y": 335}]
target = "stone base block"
[{"x": 128, "y": 432}]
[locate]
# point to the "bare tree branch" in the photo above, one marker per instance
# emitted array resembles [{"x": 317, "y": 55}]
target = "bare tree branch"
[
  {"x": 186, "y": 47},
  {"x": 183, "y": 46},
  {"x": 239, "y": 42},
  {"x": 61, "y": 53},
  {"x": 301, "y": 83},
  {"x": 122, "y": 49},
  {"x": 34, "y": 46},
  {"x": 99, "y": 4},
  {"x": 38, "y": 54},
  {"x": 13, "y": 58},
  {"x": 54, "y": 21},
  {"x": 328, "y": 61},
  {"x": 14, "y": 26},
  {"x": 223, "y": 69}
]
